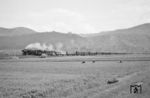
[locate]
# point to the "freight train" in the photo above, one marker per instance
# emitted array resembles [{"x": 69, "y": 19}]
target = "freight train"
[{"x": 56, "y": 53}]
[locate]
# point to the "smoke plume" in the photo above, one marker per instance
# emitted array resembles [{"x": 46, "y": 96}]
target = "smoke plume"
[
  {"x": 59, "y": 47},
  {"x": 38, "y": 46},
  {"x": 48, "y": 47}
]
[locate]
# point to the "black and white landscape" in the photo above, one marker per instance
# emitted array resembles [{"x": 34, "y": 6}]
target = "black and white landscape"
[
  {"x": 74, "y": 49},
  {"x": 131, "y": 40},
  {"x": 75, "y": 76}
]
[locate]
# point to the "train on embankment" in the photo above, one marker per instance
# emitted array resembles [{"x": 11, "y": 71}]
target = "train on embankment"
[{"x": 44, "y": 53}]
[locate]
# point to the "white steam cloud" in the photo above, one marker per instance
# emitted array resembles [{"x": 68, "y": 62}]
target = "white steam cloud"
[
  {"x": 38, "y": 46},
  {"x": 59, "y": 47},
  {"x": 49, "y": 47}
]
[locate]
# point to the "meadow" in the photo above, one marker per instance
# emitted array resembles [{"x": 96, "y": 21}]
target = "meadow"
[{"x": 69, "y": 77}]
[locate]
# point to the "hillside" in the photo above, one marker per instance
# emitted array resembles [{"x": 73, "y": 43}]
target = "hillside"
[
  {"x": 67, "y": 41},
  {"x": 15, "y": 31},
  {"x": 135, "y": 39}
]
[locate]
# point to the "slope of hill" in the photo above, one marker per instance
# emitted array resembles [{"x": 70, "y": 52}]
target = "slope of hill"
[
  {"x": 135, "y": 40},
  {"x": 140, "y": 29},
  {"x": 15, "y": 31},
  {"x": 65, "y": 41}
]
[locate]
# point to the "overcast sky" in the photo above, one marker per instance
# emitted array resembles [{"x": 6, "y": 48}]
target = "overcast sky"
[{"x": 77, "y": 16}]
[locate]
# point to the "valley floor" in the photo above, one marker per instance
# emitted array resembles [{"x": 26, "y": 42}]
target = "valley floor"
[{"x": 69, "y": 77}]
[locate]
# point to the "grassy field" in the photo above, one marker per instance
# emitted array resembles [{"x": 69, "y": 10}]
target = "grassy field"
[{"x": 68, "y": 77}]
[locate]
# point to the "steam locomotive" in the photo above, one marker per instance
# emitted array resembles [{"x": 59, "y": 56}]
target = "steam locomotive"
[{"x": 40, "y": 52}]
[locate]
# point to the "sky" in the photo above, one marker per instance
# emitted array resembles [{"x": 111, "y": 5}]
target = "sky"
[{"x": 76, "y": 16}]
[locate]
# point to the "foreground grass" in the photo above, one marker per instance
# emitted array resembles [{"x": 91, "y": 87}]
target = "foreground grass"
[{"x": 44, "y": 79}]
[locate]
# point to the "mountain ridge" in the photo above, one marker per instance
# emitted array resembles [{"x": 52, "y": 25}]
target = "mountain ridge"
[
  {"x": 15, "y": 31},
  {"x": 131, "y": 40}
]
